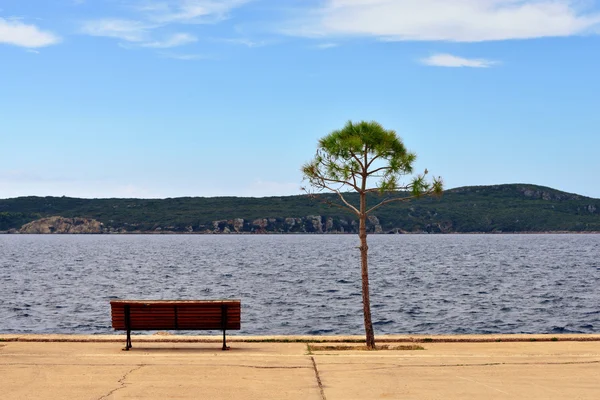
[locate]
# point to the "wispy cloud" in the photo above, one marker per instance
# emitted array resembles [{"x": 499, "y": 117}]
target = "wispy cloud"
[
  {"x": 243, "y": 41},
  {"x": 189, "y": 11},
  {"x": 186, "y": 57},
  {"x": 449, "y": 60},
  {"x": 17, "y": 33},
  {"x": 447, "y": 20},
  {"x": 128, "y": 30},
  {"x": 152, "y": 18},
  {"x": 175, "y": 40},
  {"x": 324, "y": 46}
]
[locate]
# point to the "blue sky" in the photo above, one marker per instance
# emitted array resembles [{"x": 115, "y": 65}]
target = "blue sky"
[{"x": 168, "y": 98}]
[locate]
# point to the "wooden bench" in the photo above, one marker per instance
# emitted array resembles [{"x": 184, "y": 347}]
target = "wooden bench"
[{"x": 137, "y": 315}]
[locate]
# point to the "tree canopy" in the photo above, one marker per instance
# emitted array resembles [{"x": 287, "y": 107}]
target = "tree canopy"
[{"x": 367, "y": 158}]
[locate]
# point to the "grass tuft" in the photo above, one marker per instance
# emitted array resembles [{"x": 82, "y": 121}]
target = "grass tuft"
[
  {"x": 342, "y": 347},
  {"x": 308, "y": 350}
]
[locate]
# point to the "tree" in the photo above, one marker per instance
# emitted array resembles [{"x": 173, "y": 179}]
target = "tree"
[{"x": 368, "y": 159}]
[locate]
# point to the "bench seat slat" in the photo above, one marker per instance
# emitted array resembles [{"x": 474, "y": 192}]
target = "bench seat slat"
[{"x": 161, "y": 314}]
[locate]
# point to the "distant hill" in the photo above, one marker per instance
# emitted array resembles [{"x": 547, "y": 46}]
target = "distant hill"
[{"x": 498, "y": 208}]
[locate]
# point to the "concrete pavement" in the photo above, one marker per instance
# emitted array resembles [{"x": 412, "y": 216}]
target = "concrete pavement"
[{"x": 176, "y": 369}]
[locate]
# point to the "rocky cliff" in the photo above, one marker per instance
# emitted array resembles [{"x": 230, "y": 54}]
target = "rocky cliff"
[
  {"x": 63, "y": 225},
  {"x": 308, "y": 224}
]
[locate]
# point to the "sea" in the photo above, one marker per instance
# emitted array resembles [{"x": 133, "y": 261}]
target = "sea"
[{"x": 309, "y": 284}]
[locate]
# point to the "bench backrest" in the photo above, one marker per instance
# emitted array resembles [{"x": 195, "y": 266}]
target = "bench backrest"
[{"x": 176, "y": 314}]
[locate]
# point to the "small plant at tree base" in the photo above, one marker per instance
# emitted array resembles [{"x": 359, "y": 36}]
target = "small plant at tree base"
[
  {"x": 368, "y": 159},
  {"x": 342, "y": 347}
]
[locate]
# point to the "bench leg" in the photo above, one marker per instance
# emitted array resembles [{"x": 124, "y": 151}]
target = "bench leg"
[
  {"x": 127, "y": 311},
  {"x": 225, "y": 347},
  {"x": 128, "y": 343},
  {"x": 224, "y": 325}
]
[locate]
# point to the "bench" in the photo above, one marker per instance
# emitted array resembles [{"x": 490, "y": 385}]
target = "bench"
[{"x": 138, "y": 315}]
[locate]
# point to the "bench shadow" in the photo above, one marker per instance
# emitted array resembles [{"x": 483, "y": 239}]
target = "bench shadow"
[{"x": 181, "y": 349}]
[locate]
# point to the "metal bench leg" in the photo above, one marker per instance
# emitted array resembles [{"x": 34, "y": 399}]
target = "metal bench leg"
[
  {"x": 225, "y": 347},
  {"x": 128, "y": 343},
  {"x": 224, "y": 325},
  {"x": 128, "y": 327}
]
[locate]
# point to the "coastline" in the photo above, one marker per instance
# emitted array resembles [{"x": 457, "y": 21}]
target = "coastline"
[
  {"x": 162, "y": 337},
  {"x": 314, "y": 233}
]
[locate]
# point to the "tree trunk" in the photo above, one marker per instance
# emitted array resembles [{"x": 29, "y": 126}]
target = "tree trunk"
[{"x": 370, "y": 334}]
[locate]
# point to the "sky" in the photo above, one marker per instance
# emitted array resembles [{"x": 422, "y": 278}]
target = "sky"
[{"x": 170, "y": 98}]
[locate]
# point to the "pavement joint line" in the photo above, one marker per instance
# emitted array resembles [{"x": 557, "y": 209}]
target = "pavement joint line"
[
  {"x": 321, "y": 389},
  {"x": 121, "y": 381},
  {"x": 163, "y": 364}
]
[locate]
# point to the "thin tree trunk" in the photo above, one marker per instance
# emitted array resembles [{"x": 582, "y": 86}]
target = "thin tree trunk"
[{"x": 370, "y": 334}]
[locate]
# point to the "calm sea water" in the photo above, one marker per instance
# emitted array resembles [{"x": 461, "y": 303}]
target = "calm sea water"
[{"x": 309, "y": 284}]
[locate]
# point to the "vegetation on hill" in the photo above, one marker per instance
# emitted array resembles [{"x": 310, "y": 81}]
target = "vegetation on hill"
[{"x": 499, "y": 208}]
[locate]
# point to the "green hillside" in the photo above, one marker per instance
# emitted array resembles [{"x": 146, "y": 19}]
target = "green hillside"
[{"x": 499, "y": 208}]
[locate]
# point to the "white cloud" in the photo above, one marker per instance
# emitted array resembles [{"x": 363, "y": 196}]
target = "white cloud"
[
  {"x": 449, "y": 60},
  {"x": 245, "y": 42},
  {"x": 175, "y": 40},
  {"x": 129, "y": 30},
  {"x": 153, "y": 15},
  {"x": 190, "y": 11},
  {"x": 324, "y": 46},
  {"x": 186, "y": 57},
  {"x": 17, "y": 33},
  {"x": 448, "y": 20}
]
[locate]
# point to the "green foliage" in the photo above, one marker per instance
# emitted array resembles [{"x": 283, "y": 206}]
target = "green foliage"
[
  {"x": 366, "y": 158},
  {"x": 11, "y": 220}
]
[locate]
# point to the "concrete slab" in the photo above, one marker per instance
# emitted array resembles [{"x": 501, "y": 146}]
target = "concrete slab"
[
  {"x": 50, "y": 370},
  {"x": 465, "y": 371}
]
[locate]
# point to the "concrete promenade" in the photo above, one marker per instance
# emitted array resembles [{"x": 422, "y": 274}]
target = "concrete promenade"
[{"x": 175, "y": 367}]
